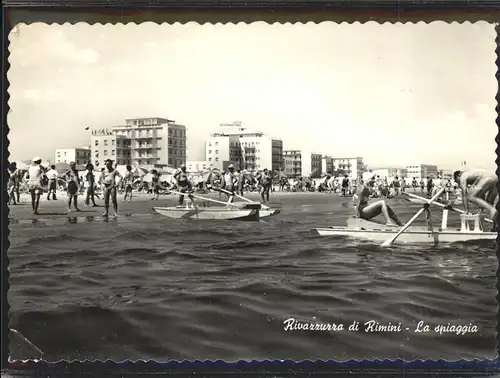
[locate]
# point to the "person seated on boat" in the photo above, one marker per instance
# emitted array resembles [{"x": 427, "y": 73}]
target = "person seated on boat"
[
  {"x": 183, "y": 183},
  {"x": 480, "y": 188},
  {"x": 368, "y": 211}
]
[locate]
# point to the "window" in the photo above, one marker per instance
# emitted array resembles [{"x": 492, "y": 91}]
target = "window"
[
  {"x": 78, "y": 162},
  {"x": 64, "y": 153},
  {"x": 216, "y": 152},
  {"x": 112, "y": 142},
  {"x": 209, "y": 151},
  {"x": 209, "y": 159},
  {"x": 113, "y": 152},
  {"x": 216, "y": 159},
  {"x": 105, "y": 152},
  {"x": 216, "y": 143},
  {"x": 97, "y": 155},
  {"x": 105, "y": 142},
  {"x": 96, "y": 142}
]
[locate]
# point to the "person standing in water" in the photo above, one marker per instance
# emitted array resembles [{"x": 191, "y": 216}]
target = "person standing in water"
[
  {"x": 367, "y": 211},
  {"x": 129, "y": 181},
  {"x": 230, "y": 182},
  {"x": 13, "y": 184},
  {"x": 183, "y": 183},
  {"x": 108, "y": 181},
  {"x": 34, "y": 177},
  {"x": 265, "y": 183},
  {"x": 155, "y": 183},
  {"x": 90, "y": 185},
  {"x": 73, "y": 185},
  {"x": 53, "y": 176}
]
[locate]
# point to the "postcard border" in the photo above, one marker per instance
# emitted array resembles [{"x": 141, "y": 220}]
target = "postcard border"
[{"x": 385, "y": 11}]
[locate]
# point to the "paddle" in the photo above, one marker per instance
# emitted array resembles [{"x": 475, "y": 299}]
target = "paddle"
[
  {"x": 236, "y": 195},
  {"x": 389, "y": 242},
  {"x": 203, "y": 198},
  {"x": 444, "y": 206}
]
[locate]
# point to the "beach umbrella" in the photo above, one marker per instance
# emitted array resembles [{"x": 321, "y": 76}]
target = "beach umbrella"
[
  {"x": 210, "y": 175},
  {"x": 45, "y": 164},
  {"x": 122, "y": 169},
  {"x": 22, "y": 166},
  {"x": 139, "y": 171},
  {"x": 168, "y": 170},
  {"x": 166, "y": 178},
  {"x": 148, "y": 177}
]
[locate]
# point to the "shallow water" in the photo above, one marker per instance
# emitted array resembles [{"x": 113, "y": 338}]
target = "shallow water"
[{"x": 148, "y": 287}]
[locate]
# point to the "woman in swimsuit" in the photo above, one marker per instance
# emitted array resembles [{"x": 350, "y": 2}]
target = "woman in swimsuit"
[
  {"x": 73, "y": 181},
  {"x": 108, "y": 180},
  {"x": 368, "y": 211},
  {"x": 129, "y": 180}
]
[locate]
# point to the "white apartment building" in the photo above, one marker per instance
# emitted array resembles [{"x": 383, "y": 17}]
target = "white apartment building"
[
  {"x": 420, "y": 171},
  {"x": 353, "y": 167},
  {"x": 105, "y": 145},
  {"x": 154, "y": 141},
  {"x": 234, "y": 144},
  {"x": 390, "y": 172},
  {"x": 80, "y": 156},
  {"x": 299, "y": 163},
  {"x": 194, "y": 166}
]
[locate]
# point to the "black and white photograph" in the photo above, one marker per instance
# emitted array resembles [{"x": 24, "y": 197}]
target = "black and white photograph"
[{"x": 252, "y": 191}]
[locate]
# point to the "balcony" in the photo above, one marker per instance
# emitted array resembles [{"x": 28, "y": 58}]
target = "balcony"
[{"x": 144, "y": 146}]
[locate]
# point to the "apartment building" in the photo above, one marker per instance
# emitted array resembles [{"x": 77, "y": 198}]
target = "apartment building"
[
  {"x": 107, "y": 145},
  {"x": 419, "y": 171},
  {"x": 302, "y": 163},
  {"x": 154, "y": 141},
  {"x": 80, "y": 156},
  {"x": 353, "y": 167}
]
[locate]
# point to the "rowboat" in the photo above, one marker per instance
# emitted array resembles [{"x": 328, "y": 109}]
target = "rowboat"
[
  {"x": 471, "y": 228},
  {"x": 377, "y": 232},
  {"x": 249, "y": 213}
]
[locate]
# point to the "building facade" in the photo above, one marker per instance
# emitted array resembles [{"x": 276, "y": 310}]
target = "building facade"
[
  {"x": 107, "y": 145},
  {"x": 80, "y": 156},
  {"x": 194, "y": 166},
  {"x": 234, "y": 144},
  {"x": 419, "y": 171},
  {"x": 353, "y": 167},
  {"x": 390, "y": 172},
  {"x": 446, "y": 174},
  {"x": 302, "y": 163},
  {"x": 327, "y": 165},
  {"x": 155, "y": 141}
]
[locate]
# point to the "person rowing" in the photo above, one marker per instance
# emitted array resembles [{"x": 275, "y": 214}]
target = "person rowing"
[
  {"x": 480, "y": 188},
  {"x": 368, "y": 211},
  {"x": 183, "y": 183}
]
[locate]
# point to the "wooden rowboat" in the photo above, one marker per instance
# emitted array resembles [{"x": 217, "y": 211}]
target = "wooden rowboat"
[
  {"x": 249, "y": 213},
  {"x": 369, "y": 230},
  {"x": 377, "y": 232}
]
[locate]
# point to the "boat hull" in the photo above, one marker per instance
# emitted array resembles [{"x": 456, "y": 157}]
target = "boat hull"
[
  {"x": 362, "y": 229},
  {"x": 209, "y": 213}
]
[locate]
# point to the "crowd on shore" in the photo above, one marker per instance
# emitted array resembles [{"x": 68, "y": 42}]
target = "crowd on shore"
[{"x": 109, "y": 181}]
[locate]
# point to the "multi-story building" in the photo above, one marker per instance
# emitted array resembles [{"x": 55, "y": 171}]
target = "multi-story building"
[
  {"x": 197, "y": 165},
  {"x": 390, "y": 172},
  {"x": 302, "y": 163},
  {"x": 446, "y": 174},
  {"x": 107, "y": 145},
  {"x": 233, "y": 144},
  {"x": 419, "y": 171},
  {"x": 80, "y": 156},
  {"x": 155, "y": 141},
  {"x": 327, "y": 165},
  {"x": 353, "y": 167}
]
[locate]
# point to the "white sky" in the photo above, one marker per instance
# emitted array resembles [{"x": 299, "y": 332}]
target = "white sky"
[{"x": 394, "y": 94}]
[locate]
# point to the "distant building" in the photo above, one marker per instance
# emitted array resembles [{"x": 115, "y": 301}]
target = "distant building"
[
  {"x": 302, "y": 163},
  {"x": 446, "y": 174},
  {"x": 390, "y": 172},
  {"x": 106, "y": 145},
  {"x": 80, "y": 156},
  {"x": 327, "y": 165},
  {"x": 234, "y": 144},
  {"x": 154, "y": 141},
  {"x": 419, "y": 171},
  {"x": 353, "y": 167},
  {"x": 197, "y": 165}
]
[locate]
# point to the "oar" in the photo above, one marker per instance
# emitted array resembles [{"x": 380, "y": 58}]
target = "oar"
[
  {"x": 444, "y": 206},
  {"x": 389, "y": 242},
  {"x": 240, "y": 197},
  {"x": 203, "y": 198}
]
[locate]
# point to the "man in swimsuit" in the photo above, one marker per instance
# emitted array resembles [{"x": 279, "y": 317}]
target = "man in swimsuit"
[
  {"x": 368, "y": 211},
  {"x": 52, "y": 175},
  {"x": 108, "y": 181},
  {"x": 480, "y": 188},
  {"x": 265, "y": 183},
  {"x": 34, "y": 177},
  {"x": 183, "y": 183},
  {"x": 13, "y": 184},
  {"x": 73, "y": 185},
  {"x": 129, "y": 180}
]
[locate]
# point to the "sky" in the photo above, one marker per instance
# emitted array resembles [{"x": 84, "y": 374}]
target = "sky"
[{"x": 395, "y": 94}]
